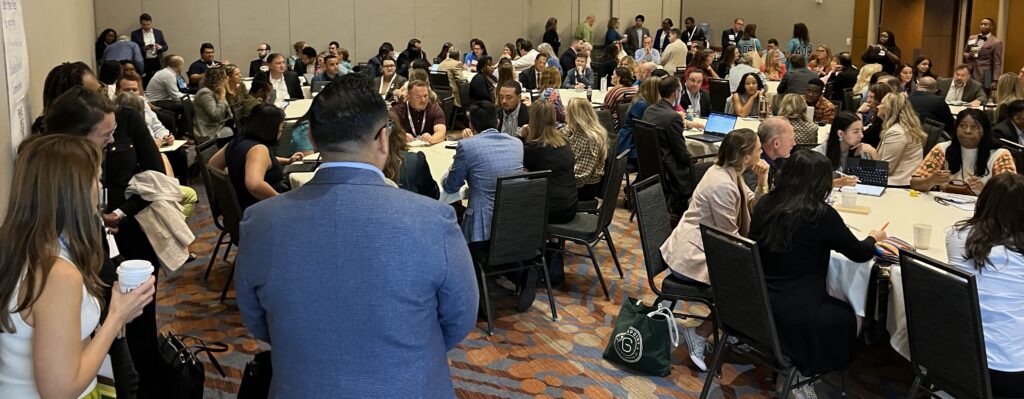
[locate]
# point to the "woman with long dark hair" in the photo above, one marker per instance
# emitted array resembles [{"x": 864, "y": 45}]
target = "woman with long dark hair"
[
  {"x": 701, "y": 61},
  {"x": 991, "y": 246},
  {"x": 745, "y": 100},
  {"x": 966, "y": 162},
  {"x": 922, "y": 68},
  {"x": 885, "y": 53},
  {"x": 551, "y": 34},
  {"x": 443, "y": 55},
  {"x": 845, "y": 141},
  {"x": 106, "y": 38},
  {"x": 796, "y": 231},
  {"x": 729, "y": 57},
  {"x": 800, "y": 43},
  {"x": 481, "y": 88}
]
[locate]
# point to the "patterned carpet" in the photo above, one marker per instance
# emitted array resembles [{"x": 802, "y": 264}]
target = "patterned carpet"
[{"x": 529, "y": 355}]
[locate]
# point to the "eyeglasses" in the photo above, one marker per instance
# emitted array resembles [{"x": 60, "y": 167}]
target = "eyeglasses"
[
  {"x": 389, "y": 126},
  {"x": 110, "y": 133}
]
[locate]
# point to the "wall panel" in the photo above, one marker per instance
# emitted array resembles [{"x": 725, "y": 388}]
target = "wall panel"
[
  {"x": 383, "y": 21},
  {"x": 121, "y": 15},
  {"x": 600, "y": 9},
  {"x": 905, "y": 18},
  {"x": 496, "y": 22},
  {"x": 1013, "y": 49},
  {"x": 439, "y": 22},
  {"x": 537, "y": 14},
  {"x": 187, "y": 24},
  {"x": 239, "y": 35},
  {"x": 829, "y": 23},
  {"x": 318, "y": 22}
]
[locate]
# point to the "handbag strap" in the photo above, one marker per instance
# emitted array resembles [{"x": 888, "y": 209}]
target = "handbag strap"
[
  {"x": 201, "y": 346},
  {"x": 673, "y": 329}
]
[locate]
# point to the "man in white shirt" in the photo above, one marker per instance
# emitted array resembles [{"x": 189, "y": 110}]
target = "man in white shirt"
[
  {"x": 526, "y": 57},
  {"x": 152, "y": 44},
  {"x": 164, "y": 91}
]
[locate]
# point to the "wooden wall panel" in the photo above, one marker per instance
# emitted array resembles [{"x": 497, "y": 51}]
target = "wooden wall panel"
[
  {"x": 1013, "y": 49},
  {"x": 905, "y": 18},
  {"x": 859, "y": 37},
  {"x": 939, "y": 40},
  {"x": 984, "y": 9}
]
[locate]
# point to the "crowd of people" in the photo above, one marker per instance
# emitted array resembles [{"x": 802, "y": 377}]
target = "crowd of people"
[{"x": 377, "y": 202}]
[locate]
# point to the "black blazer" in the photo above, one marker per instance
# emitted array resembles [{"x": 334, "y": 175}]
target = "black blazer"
[
  {"x": 1005, "y": 130},
  {"x": 158, "y": 35},
  {"x": 133, "y": 151},
  {"x": 524, "y": 117},
  {"x": 932, "y": 107},
  {"x": 415, "y": 176},
  {"x": 551, "y": 37},
  {"x": 291, "y": 79},
  {"x": 528, "y": 78},
  {"x": 705, "y": 102},
  {"x": 254, "y": 67},
  {"x": 796, "y": 80},
  {"x": 844, "y": 80},
  {"x": 567, "y": 61},
  {"x": 481, "y": 89},
  {"x": 725, "y": 37},
  {"x": 675, "y": 159}
]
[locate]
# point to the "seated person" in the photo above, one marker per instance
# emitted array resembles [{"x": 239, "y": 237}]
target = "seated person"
[
  {"x": 720, "y": 200},
  {"x": 212, "y": 111},
  {"x": 589, "y": 142},
  {"x": 695, "y": 100},
  {"x": 255, "y": 173},
  {"x": 530, "y": 77},
  {"x": 204, "y": 63},
  {"x": 824, "y": 110},
  {"x": 307, "y": 61},
  {"x": 286, "y": 83},
  {"x": 621, "y": 92},
  {"x": 962, "y": 88},
  {"x": 964, "y": 164},
  {"x": 581, "y": 76},
  {"x": 797, "y": 76},
  {"x": 796, "y": 231},
  {"x": 675, "y": 158},
  {"x": 332, "y": 70},
  {"x": 421, "y": 118},
  {"x": 514, "y": 113},
  {"x": 901, "y": 140},
  {"x": 988, "y": 246},
  {"x": 407, "y": 170},
  {"x": 388, "y": 81},
  {"x": 746, "y": 100},
  {"x": 1011, "y": 129},
  {"x": 794, "y": 109},
  {"x": 844, "y": 141}
]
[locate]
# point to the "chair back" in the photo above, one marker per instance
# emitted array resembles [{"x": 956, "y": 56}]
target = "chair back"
[
  {"x": 836, "y": 105},
  {"x": 934, "y": 131},
  {"x": 653, "y": 222},
  {"x": 464, "y": 94},
  {"x": 227, "y": 199},
  {"x": 448, "y": 105},
  {"x": 645, "y": 134},
  {"x": 605, "y": 118},
  {"x": 284, "y": 148},
  {"x": 189, "y": 111},
  {"x": 520, "y": 218},
  {"x": 719, "y": 89},
  {"x": 828, "y": 92},
  {"x": 1017, "y": 151},
  {"x": 204, "y": 152},
  {"x": 610, "y": 197},
  {"x": 680, "y": 71},
  {"x": 741, "y": 297},
  {"x": 623, "y": 110},
  {"x": 439, "y": 81},
  {"x": 947, "y": 345}
]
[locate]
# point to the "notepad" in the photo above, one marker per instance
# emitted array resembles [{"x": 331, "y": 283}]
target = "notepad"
[{"x": 870, "y": 190}]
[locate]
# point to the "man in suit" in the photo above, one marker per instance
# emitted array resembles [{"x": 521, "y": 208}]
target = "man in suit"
[
  {"x": 675, "y": 54},
  {"x": 482, "y": 156},
  {"x": 930, "y": 106},
  {"x": 569, "y": 56},
  {"x": 846, "y": 79},
  {"x": 452, "y": 66},
  {"x": 514, "y": 114},
  {"x": 326, "y": 293},
  {"x": 286, "y": 85},
  {"x": 796, "y": 78},
  {"x": 695, "y": 99},
  {"x": 732, "y": 36},
  {"x": 389, "y": 80},
  {"x": 984, "y": 54},
  {"x": 661, "y": 36},
  {"x": 579, "y": 77},
  {"x": 151, "y": 41},
  {"x": 262, "y": 51},
  {"x": 777, "y": 141},
  {"x": 635, "y": 35},
  {"x": 1012, "y": 129},
  {"x": 307, "y": 61},
  {"x": 962, "y": 88},
  {"x": 675, "y": 159},
  {"x": 531, "y": 76}
]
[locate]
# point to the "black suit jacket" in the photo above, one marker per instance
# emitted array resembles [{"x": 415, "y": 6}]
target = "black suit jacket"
[
  {"x": 528, "y": 78},
  {"x": 567, "y": 61},
  {"x": 524, "y": 117},
  {"x": 157, "y": 35},
  {"x": 844, "y": 80},
  {"x": 481, "y": 89},
  {"x": 796, "y": 80},
  {"x": 705, "y": 102},
  {"x": 291, "y": 79},
  {"x": 675, "y": 159},
  {"x": 933, "y": 107},
  {"x": 725, "y": 37},
  {"x": 972, "y": 90},
  {"x": 254, "y": 67},
  {"x": 1005, "y": 130}
]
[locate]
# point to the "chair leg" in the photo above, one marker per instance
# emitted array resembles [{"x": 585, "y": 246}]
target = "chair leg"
[
  {"x": 547, "y": 282},
  {"x": 597, "y": 268},
  {"x": 788, "y": 386},
  {"x": 487, "y": 304},
  {"x": 227, "y": 251},
  {"x": 716, "y": 362},
  {"x": 842, "y": 381},
  {"x": 672, "y": 305},
  {"x": 227, "y": 284},
  {"x": 914, "y": 387},
  {"x": 213, "y": 257},
  {"x": 717, "y": 337},
  {"x": 611, "y": 248}
]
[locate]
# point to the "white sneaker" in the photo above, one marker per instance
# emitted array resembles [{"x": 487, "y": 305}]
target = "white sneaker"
[{"x": 696, "y": 345}]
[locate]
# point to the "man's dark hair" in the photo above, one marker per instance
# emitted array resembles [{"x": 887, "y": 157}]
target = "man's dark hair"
[
  {"x": 109, "y": 71},
  {"x": 688, "y": 19},
  {"x": 668, "y": 86},
  {"x": 268, "y": 46},
  {"x": 347, "y": 111},
  {"x": 816, "y": 82},
  {"x": 773, "y": 41},
  {"x": 334, "y": 43},
  {"x": 875, "y": 76},
  {"x": 513, "y": 84},
  {"x": 962, "y": 66},
  {"x": 309, "y": 52},
  {"x": 455, "y": 54},
  {"x": 76, "y": 112},
  {"x": 844, "y": 59},
  {"x": 797, "y": 61},
  {"x": 483, "y": 115},
  {"x": 258, "y": 86},
  {"x": 62, "y": 78},
  {"x": 661, "y": 73},
  {"x": 625, "y": 76},
  {"x": 641, "y": 18},
  {"x": 527, "y": 45},
  {"x": 541, "y": 55},
  {"x": 420, "y": 63},
  {"x": 263, "y": 124},
  {"x": 145, "y": 17},
  {"x": 1015, "y": 107},
  {"x": 205, "y": 46},
  {"x": 329, "y": 57}
]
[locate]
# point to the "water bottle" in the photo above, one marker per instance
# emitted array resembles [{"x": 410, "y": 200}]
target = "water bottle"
[
  {"x": 604, "y": 85},
  {"x": 689, "y": 114},
  {"x": 590, "y": 93},
  {"x": 762, "y": 107}
]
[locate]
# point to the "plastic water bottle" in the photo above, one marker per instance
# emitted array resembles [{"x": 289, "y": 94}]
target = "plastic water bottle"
[
  {"x": 590, "y": 93},
  {"x": 604, "y": 85},
  {"x": 689, "y": 114}
]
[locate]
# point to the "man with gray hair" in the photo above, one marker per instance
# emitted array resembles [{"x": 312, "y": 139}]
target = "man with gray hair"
[
  {"x": 644, "y": 72},
  {"x": 929, "y": 105},
  {"x": 777, "y": 141},
  {"x": 742, "y": 68},
  {"x": 164, "y": 91},
  {"x": 124, "y": 50}
]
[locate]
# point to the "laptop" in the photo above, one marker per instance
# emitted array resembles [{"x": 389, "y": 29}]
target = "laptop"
[
  {"x": 303, "y": 167},
  {"x": 717, "y": 127},
  {"x": 317, "y": 86},
  {"x": 873, "y": 175}
]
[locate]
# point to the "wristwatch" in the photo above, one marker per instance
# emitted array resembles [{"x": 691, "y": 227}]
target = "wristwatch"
[{"x": 119, "y": 213}]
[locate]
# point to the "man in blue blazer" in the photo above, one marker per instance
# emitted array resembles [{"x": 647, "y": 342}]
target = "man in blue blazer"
[
  {"x": 151, "y": 42},
  {"x": 359, "y": 287}
]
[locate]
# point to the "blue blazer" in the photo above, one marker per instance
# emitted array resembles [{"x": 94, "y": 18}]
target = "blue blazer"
[
  {"x": 158, "y": 35},
  {"x": 360, "y": 288},
  {"x": 480, "y": 160}
]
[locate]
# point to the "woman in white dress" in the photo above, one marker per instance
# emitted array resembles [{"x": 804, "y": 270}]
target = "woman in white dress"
[{"x": 51, "y": 252}]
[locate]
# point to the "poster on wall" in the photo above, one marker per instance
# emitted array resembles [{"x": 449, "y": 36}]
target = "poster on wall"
[{"x": 16, "y": 59}]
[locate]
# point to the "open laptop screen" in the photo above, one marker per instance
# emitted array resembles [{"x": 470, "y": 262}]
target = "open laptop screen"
[{"x": 720, "y": 123}]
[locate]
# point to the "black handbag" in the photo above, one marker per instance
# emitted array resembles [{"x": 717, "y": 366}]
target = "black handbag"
[
  {"x": 183, "y": 374},
  {"x": 256, "y": 378}
]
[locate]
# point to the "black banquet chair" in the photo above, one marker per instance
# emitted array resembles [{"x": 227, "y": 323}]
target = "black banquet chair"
[{"x": 227, "y": 200}]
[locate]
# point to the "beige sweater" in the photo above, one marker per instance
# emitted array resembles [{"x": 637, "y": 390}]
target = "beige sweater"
[
  {"x": 902, "y": 154},
  {"x": 163, "y": 220}
]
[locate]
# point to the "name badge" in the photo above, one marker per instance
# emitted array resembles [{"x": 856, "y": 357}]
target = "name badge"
[
  {"x": 732, "y": 37},
  {"x": 972, "y": 41},
  {"x": 881, "y": 53}
]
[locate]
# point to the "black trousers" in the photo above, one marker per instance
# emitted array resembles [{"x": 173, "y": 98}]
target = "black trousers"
[
  {"x": 1006, "y": 384},
  {"x": 141, "y": 332},
  {"x": 183, "y": 122},
  {"x": 179, "y": 163},
  {"x": 151, "y": 65}
]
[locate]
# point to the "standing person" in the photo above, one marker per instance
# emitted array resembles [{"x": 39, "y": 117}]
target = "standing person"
[
  {"x": 661, "y": 35},
  {"x": 51, "y": 290},
  {"x": 989, "y": 245},
  {"x": 748, "y": 41},
  {"x": 675, "y": 53},
  {"x": 286, "y": 83},
  {"x": 730, "y": 37},
  {"x": 635, "y": 35},
  {"x": 796, "y": 231},
  {"x": 349, "y": 123},
  {"x": 585, "y": 30},
  {"x": 800, "y": 44},
  {"x": 256, "y": 65},
  {"x": 902, "y": 138},
  {"x": 612, "y": 35},
  {"x": 413, "y": 51},
  {"x": 151, "y": 41},
  {"x": 984, "y": 54},
  {"x": 123, "y": 50},
  {"x": 693, "y": 35},
  {"x": 106, "y": 38},
  {"x": 551, "y": 34},
  {"x": 885, "y": 53},
  {"x": 589, "y": 143}
]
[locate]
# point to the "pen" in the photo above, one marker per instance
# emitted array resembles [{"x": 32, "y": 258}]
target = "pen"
[{"x": 886, "y": 225}]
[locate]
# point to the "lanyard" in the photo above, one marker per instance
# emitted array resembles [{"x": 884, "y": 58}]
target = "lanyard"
[
  {"x": 423, "y": 124},
  {"x": 381, "y": 89}
]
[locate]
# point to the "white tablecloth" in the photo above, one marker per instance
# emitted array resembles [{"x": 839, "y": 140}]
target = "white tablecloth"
[
  {"x": 697, "y": 148},
  {"x": 438, "y": 157}
]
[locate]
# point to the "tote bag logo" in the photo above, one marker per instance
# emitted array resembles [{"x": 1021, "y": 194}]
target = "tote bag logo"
[{"x": 629, "y": 345}]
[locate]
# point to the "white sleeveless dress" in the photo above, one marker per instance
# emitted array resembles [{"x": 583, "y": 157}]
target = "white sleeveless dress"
[{"x": 17, "y": 379}]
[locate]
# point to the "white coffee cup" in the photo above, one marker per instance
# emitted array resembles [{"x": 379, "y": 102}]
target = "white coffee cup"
[
  {"x": 132, "y": 273},
  {"x": 849, "y": 198},
  {"x": 922, "y": 235}
]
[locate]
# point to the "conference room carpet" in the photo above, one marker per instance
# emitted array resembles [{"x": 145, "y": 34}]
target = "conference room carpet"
[{"x": 529, "y": 355}]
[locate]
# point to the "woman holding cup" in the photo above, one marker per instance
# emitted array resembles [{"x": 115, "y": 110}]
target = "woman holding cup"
[
  {"x": 48, "y": 274},
  {"x": 965, "y": 163}
]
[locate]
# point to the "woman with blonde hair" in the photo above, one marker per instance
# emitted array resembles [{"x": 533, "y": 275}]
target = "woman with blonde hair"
[
  {"x": 864, "y": 78},
  {"x": 589, "y": 142},
  {"x": 774, "y": 69},
  {"x": 822, "y": 61},
  {"x": 794, "y": 108},
  {"x": 1008, "y": 89},
  {"x": 49, "y": 282},
  {"x": 902, "y": 138},
  {"x": 550, "y": 81}
]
